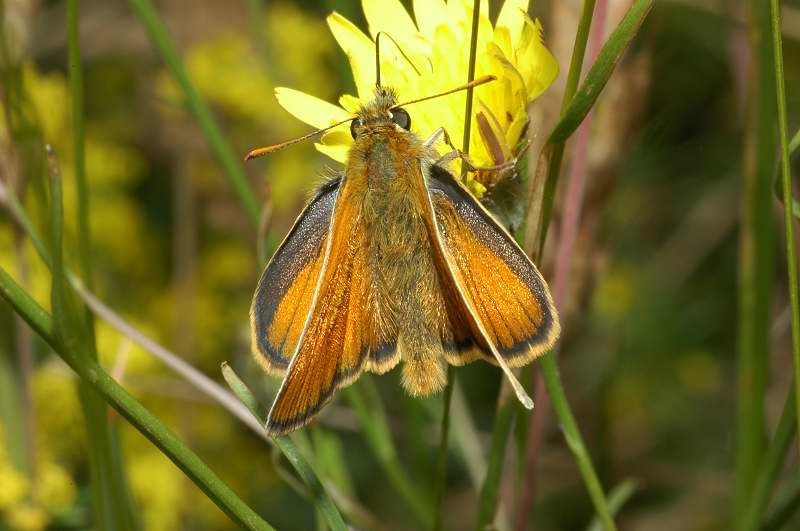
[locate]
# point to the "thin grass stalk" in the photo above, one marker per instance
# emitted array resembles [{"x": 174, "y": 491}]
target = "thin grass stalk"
[
  {"x": 791, "y": 261},
  {"x": 490, "y": 489},
  {"x": 570, "y": 87},
  {"x": 771, "y": 465},
  {"x": 440, "y": 478},
  {"x": 198, "y": 107},
  {"x": 111, "y": 502},
  {"x": 322, "y": 500},
  {"x": 786, "y": 505},
  {"x": 130, "y": 409},
  {"x": 756, "y": 259},
  {"x": 617, "y": 498},
  {"x": 112, "y": 462},
  {"x": 575, "y": 443}
]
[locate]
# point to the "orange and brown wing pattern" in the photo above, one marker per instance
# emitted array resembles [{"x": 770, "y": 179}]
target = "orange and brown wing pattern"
[
  {"x": 339, "y": 333},
  {"x": 505, "y": 292},
  {"x": 286, "y": 288}
]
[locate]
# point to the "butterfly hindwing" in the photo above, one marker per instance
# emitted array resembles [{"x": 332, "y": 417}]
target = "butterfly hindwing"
[
  {"x": 506, "y": 294},
  {"x": 340, "y": 337}
]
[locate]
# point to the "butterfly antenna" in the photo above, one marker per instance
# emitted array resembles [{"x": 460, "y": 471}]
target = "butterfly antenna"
[
  {"x": 275, "y": 147},
  {"x": 378, "y": 56},
  {"x": 471, "y": 84}
]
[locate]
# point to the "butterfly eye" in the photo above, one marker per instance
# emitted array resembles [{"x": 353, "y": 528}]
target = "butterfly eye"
[
  {"x": 401, "y": 118},
  {"x": 353, "y": 124}
]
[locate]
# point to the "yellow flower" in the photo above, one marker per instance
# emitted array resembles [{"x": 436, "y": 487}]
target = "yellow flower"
[{"x": 438, "y": 45}]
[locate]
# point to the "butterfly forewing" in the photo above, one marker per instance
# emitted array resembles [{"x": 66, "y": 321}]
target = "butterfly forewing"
[{"x": 339, "y": 335}]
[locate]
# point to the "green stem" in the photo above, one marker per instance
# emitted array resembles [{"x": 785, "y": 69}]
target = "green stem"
[
  {"x": 791, "y": 262},
  {"x": 574, "y": 440},
  {"x": 473, "y": 50},
  {"x": 571, "y": 86},
  {"x": 756, "y": 265},
  {"x": 127, "y": 406},
  {"x": 222, "y": 150},
  {"x": 771, "y": 465},
  {"x": 598, "y": 75},
  {"x": 786, "y": 504},
  {"x": 490, "y": 490},
  {"x": 440, "y": 480},
  {"x": 111, "y": 500}
]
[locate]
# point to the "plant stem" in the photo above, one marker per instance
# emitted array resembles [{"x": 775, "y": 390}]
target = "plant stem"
[
  {"x": 771, "y": 465},
  {"x": 222, "y": 150},
  {"x": 490, "y": 490},
  {"x": 127, "y": 406},
  {"x": 440, "y": 479},
  {"x": 791, "y": 261},
  {"x": 756, "y": 263},
  {"x": 571, "y": 86},
  {"x": 574, "y": 441}
]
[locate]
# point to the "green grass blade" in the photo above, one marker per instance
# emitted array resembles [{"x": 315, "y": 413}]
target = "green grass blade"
[
  {"x": 618, "y": 497},
  {"x": 322, "y": 501},
  {"x": 571, "y": 86},
  {"x": 225, "y": 156},
  {"x": 786, "y": 505},
  {"x": 575, "y": 441},
  {"x": 110, "y": 498},
  {"x": 794, "y": 298},
  {"x": 490, "y": 490},
  {"x": 127, "y": 406},
  {"x": 772, "y": 463},
  {"x": 440, "y": 477},
  {"x": 756, "y": 265},
  {"x": 598, "y": 75}
]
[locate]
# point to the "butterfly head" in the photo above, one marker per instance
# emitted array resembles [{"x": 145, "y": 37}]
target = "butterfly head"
[{"x": 380, "y": 115}]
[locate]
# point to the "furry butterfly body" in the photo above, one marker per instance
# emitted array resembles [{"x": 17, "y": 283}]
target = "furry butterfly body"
[{"x": 393, "y": 261}]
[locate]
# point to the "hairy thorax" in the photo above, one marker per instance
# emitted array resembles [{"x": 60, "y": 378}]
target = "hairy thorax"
[{"x": 405, "y": 297}]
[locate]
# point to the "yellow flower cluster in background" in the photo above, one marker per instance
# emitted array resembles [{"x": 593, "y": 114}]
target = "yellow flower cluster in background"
[{"x": 438, "y": 45}]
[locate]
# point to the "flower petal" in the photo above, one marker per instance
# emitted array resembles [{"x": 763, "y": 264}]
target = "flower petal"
[
  {"x": 336, "y": 145},
  {"x": 349, "y": 103},
  {"x": 309, "y": 109},
  {"x": 360, "y": 51},
  {"x": 536, "y": 64},
  {"x": 512, "y": 16},
  {"x": 429, "y": 14},
  {"x": 390, "y": 17}
]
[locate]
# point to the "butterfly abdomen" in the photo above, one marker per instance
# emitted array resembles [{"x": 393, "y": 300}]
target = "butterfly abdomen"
[{"x": 407, "y": 292}]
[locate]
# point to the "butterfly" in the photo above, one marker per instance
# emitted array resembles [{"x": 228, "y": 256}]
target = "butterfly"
[{"x": 393, "y": 260}]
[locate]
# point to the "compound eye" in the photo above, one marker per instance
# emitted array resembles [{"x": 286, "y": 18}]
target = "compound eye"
[
  {"x": 401, "y": 118},
  {"x": 353, "y": 125}
]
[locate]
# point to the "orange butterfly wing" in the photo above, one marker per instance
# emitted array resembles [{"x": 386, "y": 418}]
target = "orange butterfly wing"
[
  {"x": 286, "y": 288},
  {"x": 340, "y": 338},
  {"x": 507, "y": 298}
]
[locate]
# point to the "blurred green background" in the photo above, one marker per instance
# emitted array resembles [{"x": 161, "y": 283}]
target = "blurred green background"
[{"x": 649, "y": 351}]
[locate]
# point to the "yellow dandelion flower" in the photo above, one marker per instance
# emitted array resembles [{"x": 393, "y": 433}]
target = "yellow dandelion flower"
[{"x": 438, "y": 45}]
